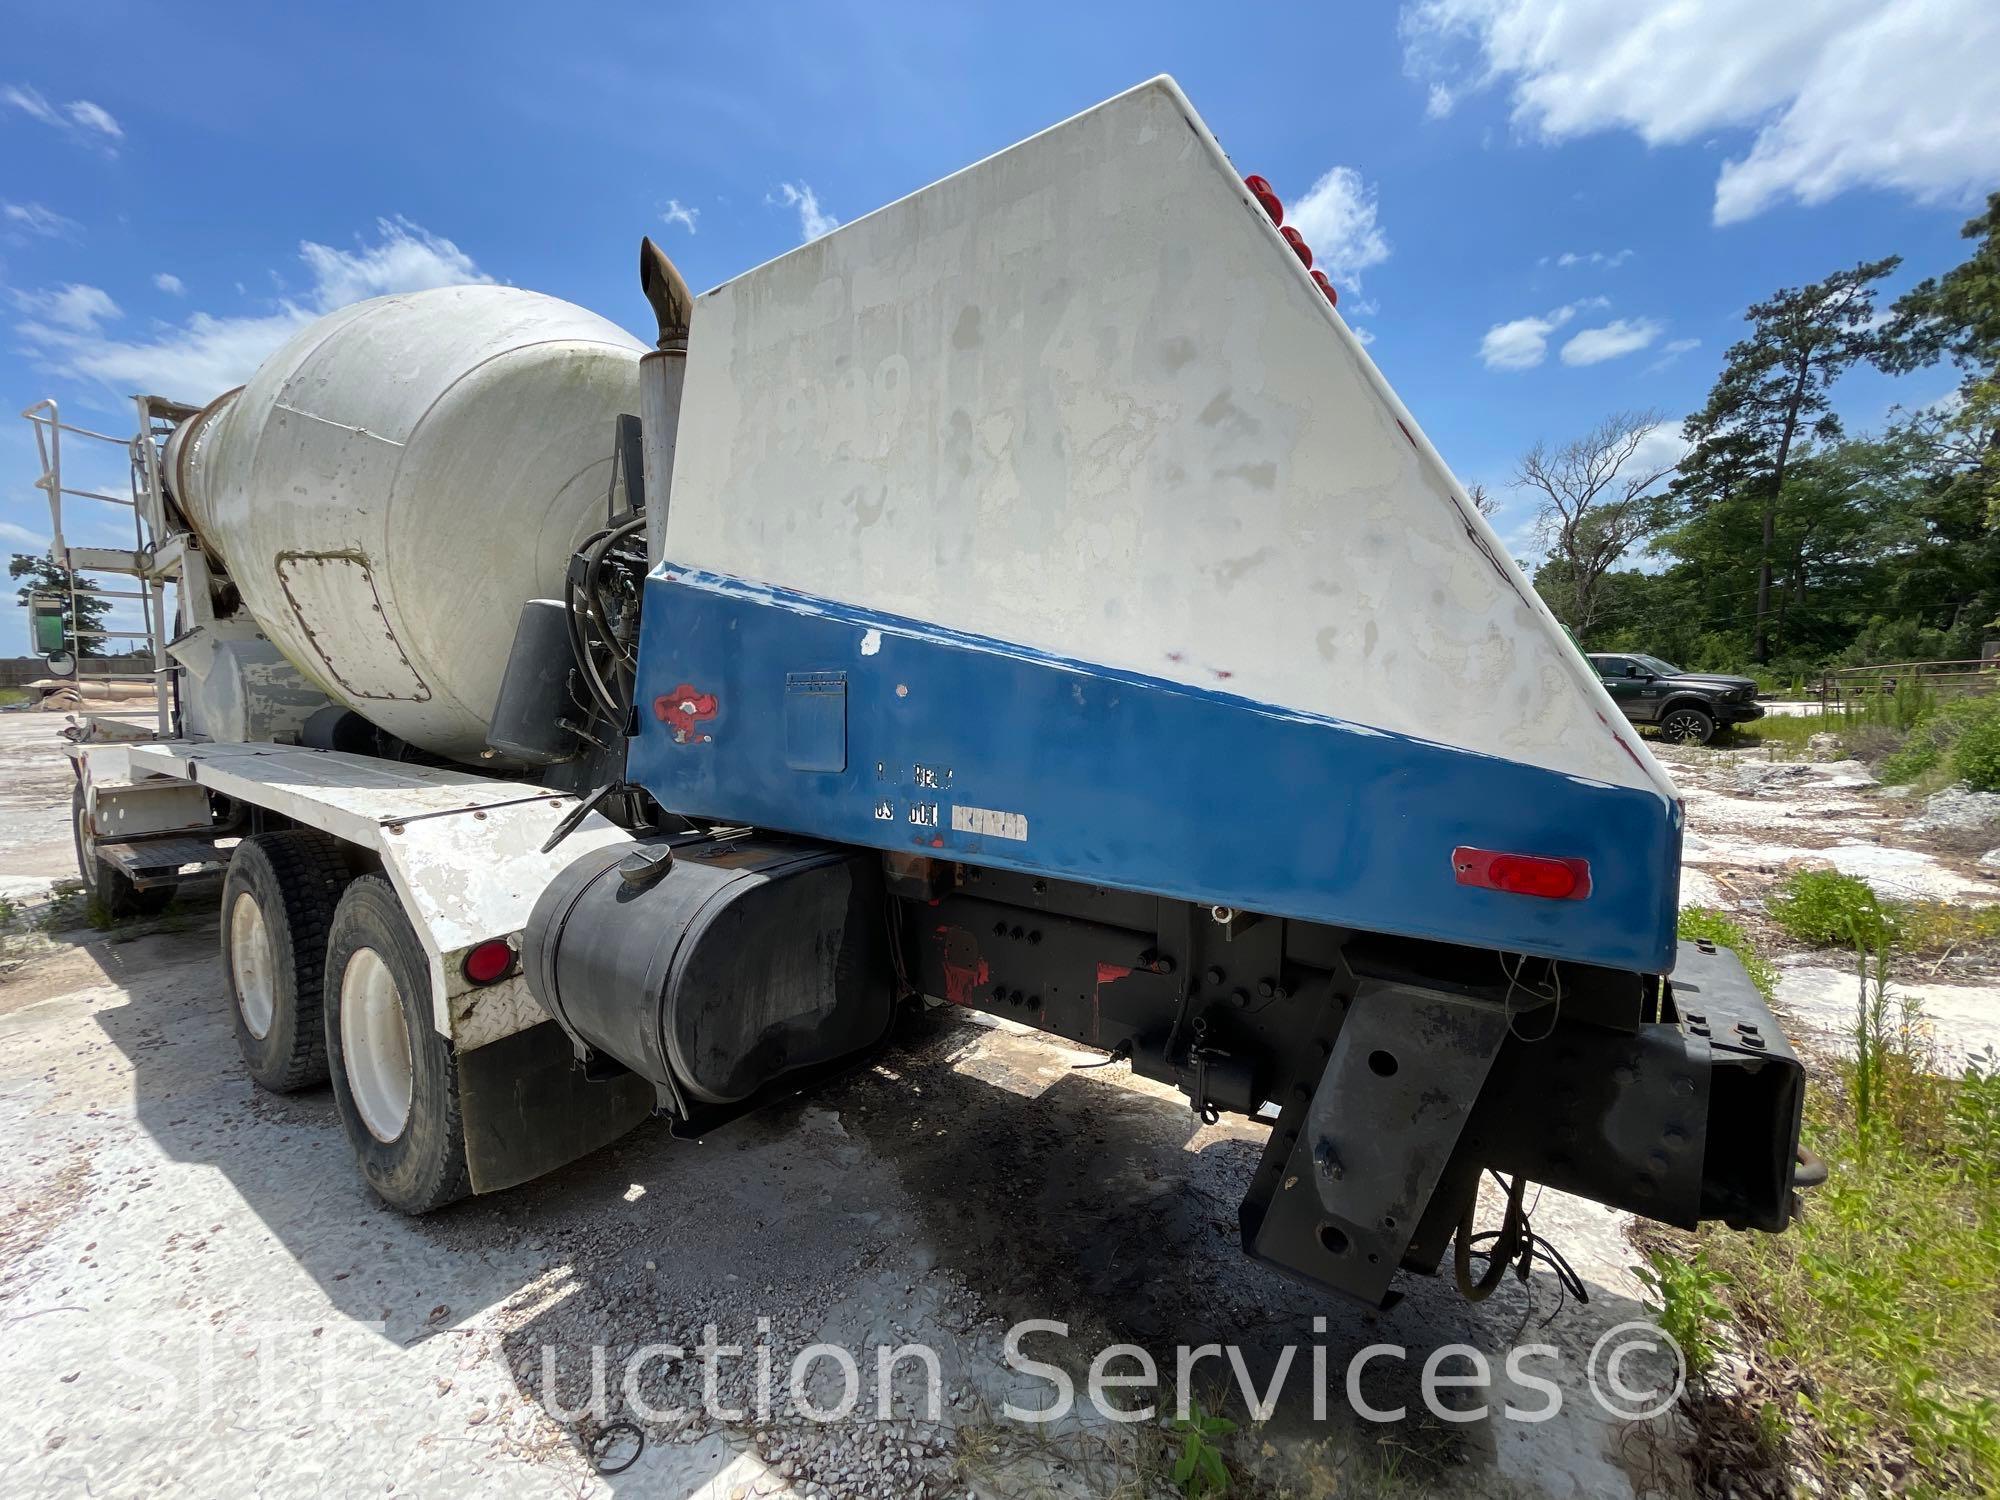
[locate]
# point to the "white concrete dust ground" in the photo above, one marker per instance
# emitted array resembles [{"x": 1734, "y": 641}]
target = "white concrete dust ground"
[
  {"x": 1751, "y": 821},
  {"x": 197, "y": 1290}
]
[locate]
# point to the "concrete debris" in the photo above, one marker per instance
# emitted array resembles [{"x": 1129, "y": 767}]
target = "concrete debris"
[{"x": 1957, "y": 809}]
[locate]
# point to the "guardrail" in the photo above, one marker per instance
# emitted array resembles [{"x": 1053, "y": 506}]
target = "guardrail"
[{"x": 1944, "y": 678}]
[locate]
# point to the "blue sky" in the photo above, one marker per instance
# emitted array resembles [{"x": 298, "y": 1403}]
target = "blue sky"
[{"x": 1541, "y": 210}]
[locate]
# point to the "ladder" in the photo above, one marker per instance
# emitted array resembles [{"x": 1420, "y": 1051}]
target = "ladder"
[{"x": 158, "y": 540}]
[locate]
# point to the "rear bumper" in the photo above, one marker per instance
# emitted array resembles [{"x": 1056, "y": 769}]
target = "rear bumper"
[
  {"x": 1688, "y": 1116},
  {"x": 1694, "y": 1116}
]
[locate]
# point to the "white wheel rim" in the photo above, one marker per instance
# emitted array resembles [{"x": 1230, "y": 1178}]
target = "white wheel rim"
[
  {"x": 252, "y": 965},
  {"x": 375, "y": 1045}
]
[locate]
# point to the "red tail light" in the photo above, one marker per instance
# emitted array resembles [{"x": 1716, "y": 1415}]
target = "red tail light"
[
  {"x": 1522, "y": 874},
  {"x": 490, "y": 961},
  {"x": 1320, "y": 281},
  {"x": 1266, "y": 199},
  {"x": 1299, "y": 246}
]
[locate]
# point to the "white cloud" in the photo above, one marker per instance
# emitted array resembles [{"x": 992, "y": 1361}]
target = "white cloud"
[
  {"x": 204, "y": 355},
  {"x": 678, "y": 212},
  {"x": 1834, "y": 94},
  {"x": 11, "y": 532},
  {"x": 1519, "y": 345},
  {"x": 1610, "y": 262},
  {"x": 813, "y": 220},
  {"x": 404, "y": 258},
  {"x": 1661, "y": 447},
  {"x": 1670, "y": 351},
  {"x": 1361, "y": 335},
  {"x": 37, "y": 219},
  {"x": 169, "y": 283},
  {"x": 1438, "y": 103},
  {"x": 1615, "y": 340},
  {"x": 1523, "y": 343},
  {"x": 87, "y": 122},
  {"x": 77, "y": 309},
  {"x": 1337, "y": 218}
]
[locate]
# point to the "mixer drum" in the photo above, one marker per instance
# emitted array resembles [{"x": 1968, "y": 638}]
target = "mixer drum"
[{"x": 396, "y": 480}]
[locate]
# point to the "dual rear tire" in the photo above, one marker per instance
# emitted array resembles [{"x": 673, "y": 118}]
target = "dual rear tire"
[{"x": 327, "y": 979}]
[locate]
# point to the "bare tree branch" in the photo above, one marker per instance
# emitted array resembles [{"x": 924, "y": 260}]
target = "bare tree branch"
[{"x": 1595, "y": 500}]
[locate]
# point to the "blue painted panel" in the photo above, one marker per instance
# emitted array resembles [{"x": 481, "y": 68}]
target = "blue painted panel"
[{"x": 981, "y": 751}]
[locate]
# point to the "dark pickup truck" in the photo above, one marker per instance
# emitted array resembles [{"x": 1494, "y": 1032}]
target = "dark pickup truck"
[{"x": 1688, "y": 707}]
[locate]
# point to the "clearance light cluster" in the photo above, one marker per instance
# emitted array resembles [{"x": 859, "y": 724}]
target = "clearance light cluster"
[
  {"x": 1268, "y": 201},
  {"x": 1522, "y": 874}
]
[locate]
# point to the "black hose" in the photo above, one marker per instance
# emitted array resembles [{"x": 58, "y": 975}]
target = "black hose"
[{"x": 590, "y": 628}]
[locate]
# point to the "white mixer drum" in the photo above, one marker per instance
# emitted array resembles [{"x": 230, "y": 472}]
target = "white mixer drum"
[{"x": 399, "y": 478}]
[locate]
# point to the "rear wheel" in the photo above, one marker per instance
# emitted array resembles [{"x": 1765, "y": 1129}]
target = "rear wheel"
[
  {"x": 1687, "y": 725},
  {"x": 395, "y": 1078},
  {"x": 109, "y": 889},
  {"x": 277, "y": 908}
]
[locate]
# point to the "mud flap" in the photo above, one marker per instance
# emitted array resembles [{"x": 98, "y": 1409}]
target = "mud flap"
[{"x": 528, "y": 1108}]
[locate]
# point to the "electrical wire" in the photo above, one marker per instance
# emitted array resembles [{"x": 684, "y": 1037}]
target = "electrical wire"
[
  {"x": 1514, "y": 1243},
  {"x": 1550, "y": 996}
]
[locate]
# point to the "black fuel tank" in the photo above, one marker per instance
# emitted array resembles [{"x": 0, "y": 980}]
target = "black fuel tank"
[{"x": 749, "y": 959}]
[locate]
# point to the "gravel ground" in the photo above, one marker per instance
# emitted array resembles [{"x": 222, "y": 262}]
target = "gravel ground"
[{"x": 197, "y": 1289}]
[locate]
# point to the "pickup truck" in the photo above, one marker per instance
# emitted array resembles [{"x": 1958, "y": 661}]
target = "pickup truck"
[{"x": 1688, "y": 707}]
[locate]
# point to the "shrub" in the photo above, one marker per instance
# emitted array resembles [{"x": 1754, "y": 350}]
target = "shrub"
[
  {"x": 1961, "y": 738},
  {"x": 1826, "y": 908},
  {"x": 1911, "y": 763},
  {"x": 1975, "y": 758}
]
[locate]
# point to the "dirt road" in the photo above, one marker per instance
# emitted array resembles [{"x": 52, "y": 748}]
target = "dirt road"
[{"x": 197, "y": 1289}]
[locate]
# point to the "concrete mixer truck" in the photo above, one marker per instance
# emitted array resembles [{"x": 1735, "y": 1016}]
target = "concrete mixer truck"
[{"x": 1030, "y": 598}]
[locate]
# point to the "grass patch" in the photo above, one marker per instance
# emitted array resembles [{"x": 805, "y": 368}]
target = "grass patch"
[
  {"x": 1825, "y": 909},
  {"x": 1880, "y": 1305},
  {"x": 1934, "y": 927},
  {"x": 1784, "y": 734},
  {"x": 1873, "y": 1324},
  {"x": 10, "y": 696}
]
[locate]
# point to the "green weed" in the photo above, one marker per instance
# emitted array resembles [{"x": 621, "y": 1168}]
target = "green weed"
[
  {"x": 1685, "y": 1303},
  {"x": 1875, "y": 1311},
  {"x": 1201, "y": 1469}
]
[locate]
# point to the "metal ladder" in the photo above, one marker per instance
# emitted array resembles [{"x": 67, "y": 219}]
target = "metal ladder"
[{"x": 158, "y": 544}]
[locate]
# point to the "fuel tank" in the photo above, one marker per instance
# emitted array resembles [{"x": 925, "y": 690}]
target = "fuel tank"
[{"x": 396, "y": 481}]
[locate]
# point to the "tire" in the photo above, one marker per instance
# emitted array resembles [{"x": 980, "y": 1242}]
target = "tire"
[
  {"x": 277, "y": 908},
  {"x": 110, "y": 889},
  {"x": 394, "y": 1077},
  {"x": 1687, "y": 725}
]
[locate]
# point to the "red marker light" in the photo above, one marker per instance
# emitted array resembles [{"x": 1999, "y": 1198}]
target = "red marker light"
[
  {"x": 1320, "y": 281},
  {"x": 1522, "y": 874},
  {"x": 1299, "y": 246},
  {"x": 490, "y": 961},
  {"x": 1266, "y": 199}
]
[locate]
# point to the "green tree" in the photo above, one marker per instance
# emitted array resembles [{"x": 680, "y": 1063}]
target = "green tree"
[
  {"x": 47, "y": 577},
  {"x": 1956, "y": 315},
  {"x": 1771, "y": 399}
]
